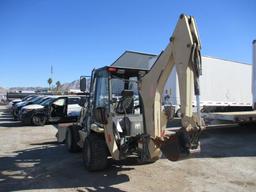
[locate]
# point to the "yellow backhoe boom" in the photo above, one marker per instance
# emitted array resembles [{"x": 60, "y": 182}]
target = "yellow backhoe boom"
[{"x": 183, "y": 51}]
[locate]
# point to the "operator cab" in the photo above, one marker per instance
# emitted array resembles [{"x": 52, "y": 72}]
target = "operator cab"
[{"x": 115, "y": 92}]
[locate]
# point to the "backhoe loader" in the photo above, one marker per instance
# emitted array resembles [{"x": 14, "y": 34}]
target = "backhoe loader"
[{"x": 124, "y": 116}]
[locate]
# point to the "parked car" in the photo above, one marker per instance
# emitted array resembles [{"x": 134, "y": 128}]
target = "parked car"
[
  {"x": 15, "y": 101},
  {"x": 34, "y": 100},
  {"x": 53, "y": 110}
]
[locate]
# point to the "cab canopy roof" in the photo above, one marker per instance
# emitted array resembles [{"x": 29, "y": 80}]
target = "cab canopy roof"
[
  {"x": 135, "y": 60},
  {"x": 129, "y": 64}
]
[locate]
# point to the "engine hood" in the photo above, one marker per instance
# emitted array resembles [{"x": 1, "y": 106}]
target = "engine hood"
[
  {"x": 33, "y": 106},
  {"x": 16, "y": 100}
]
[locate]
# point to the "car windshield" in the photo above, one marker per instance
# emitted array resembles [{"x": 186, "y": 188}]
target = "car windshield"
[
  {"x": 40, "y": 100},
  {"x": 28, "y": 98},
  {"x": 32, "y": 99},
  {"x": 47, "y": 101},
  {"x": 35, "y": 99}
]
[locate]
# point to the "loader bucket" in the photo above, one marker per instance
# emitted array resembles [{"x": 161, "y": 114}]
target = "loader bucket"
[
  {"x": 175, "y": 147},
  {"x": 169, "y": 145}
]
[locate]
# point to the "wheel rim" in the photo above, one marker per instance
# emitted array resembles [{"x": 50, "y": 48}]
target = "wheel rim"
[
  {"x": 38, "y": 120},
  {"x": 35, "y": 120}
]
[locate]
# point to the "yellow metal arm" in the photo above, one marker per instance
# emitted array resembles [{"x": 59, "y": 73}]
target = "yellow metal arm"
[{"x": 183, "y": 51}]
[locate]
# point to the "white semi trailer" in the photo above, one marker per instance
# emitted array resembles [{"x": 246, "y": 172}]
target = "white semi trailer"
[
  {"x": 225, "y": 86},
  {"x": 241, "y": 116},
  {"x": 254, "y": 73}
]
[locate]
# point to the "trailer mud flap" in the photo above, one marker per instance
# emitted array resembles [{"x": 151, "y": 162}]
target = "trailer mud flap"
[{"x": 177, "y": 146}]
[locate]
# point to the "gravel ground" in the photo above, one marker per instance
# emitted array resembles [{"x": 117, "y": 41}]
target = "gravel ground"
[{"x": 32, "y": 160}]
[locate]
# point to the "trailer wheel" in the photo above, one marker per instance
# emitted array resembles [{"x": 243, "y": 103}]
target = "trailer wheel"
[
  {"x": 95, "y": 152},
  {"x": 39, "y": 120},
  {"x": 71, "y": 140}
]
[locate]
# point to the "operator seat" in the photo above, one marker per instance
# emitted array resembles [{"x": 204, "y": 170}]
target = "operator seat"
[{"x": 126, "y": 103}]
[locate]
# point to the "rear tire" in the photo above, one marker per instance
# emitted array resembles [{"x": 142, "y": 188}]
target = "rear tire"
[
  {"x": 95, "y": 152},
  {"x": 71, "y": 140},
  {"x": 39, "y": 120}
]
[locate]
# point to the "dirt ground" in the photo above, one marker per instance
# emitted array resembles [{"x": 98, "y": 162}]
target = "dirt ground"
[{"x": 32, "y": 160}]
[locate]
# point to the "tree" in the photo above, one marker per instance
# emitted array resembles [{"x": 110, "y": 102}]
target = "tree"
[
  {"x": 58, "y": 84},
  {"x": 49, "y": 82}
]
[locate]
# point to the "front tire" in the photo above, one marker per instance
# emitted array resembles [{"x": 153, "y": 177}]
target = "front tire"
[
  {"x": 39, "y": 120},
  {"x": 71, "y": 140},
  {"x": 95, "y": 152}
]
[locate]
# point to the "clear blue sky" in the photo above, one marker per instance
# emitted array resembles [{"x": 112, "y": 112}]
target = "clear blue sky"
[{"x": 76, "y": 36}]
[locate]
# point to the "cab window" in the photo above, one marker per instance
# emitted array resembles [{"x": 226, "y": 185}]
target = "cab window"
[
  {"x": 102, "y": 93},
  {"x": 73, "y": 101}
]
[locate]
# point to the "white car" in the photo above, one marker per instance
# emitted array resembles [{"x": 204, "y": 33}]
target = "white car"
[{"x": 54, "y": 109}]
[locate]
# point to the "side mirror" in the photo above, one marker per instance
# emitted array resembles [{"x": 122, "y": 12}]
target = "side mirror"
[
  {"x": 83, "y": 83},
  {"x": 101, "y": 115}
]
